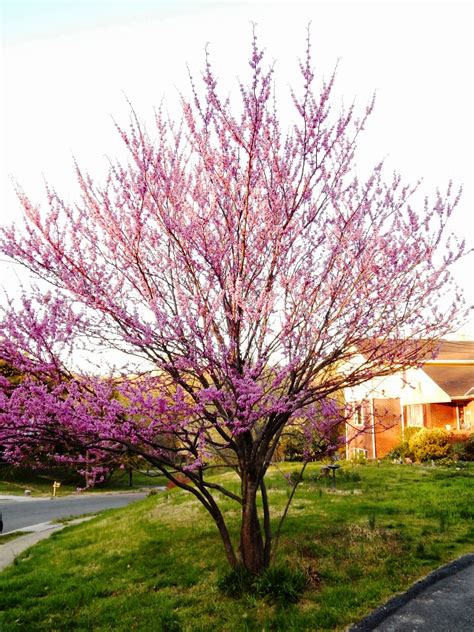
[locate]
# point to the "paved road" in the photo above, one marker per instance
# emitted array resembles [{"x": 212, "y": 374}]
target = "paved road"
[
  {"x": 441, "y": 602},
  {"x": 21, "y": 512},
  {"x": 448, "y": 605}
]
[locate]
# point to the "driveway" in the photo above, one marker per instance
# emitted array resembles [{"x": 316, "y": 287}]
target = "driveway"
[{"x": 20, "y": 512}]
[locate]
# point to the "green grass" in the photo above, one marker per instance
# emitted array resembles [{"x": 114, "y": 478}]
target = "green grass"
[{"x": 156, "y": 564}]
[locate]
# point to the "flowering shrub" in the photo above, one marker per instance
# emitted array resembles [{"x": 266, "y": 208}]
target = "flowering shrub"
[{"x": 430, "y": 444}]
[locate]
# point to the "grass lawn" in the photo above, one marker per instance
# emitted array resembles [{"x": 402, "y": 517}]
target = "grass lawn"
[{"x": 155, "y": 564}]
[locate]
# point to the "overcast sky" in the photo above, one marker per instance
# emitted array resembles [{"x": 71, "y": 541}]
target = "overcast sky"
[{"x": 66, "y": 66}]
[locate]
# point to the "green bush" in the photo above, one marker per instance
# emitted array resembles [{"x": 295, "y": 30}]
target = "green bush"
[
  {"x": 430, "y": 444},
  {"x": 358, "y": 459},
  {"x": 464, "y": 449},
  {"x": 402, "y": 449},
  {"x": 410, "y": 432},
  {"x": 448, "y": 461},
  {"x": 296, "y": 446},
  {"x": 345, "y": 474}
]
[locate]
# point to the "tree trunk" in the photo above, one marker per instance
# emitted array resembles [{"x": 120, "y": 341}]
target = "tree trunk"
[
  {"x": 251, "y": 542},
  {"x": 229, "y": 549}
]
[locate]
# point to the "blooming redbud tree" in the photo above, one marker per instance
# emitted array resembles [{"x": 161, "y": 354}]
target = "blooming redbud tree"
[{"x": 237, "y": 265}]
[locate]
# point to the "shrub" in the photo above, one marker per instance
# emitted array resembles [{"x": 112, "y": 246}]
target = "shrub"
[
  {"x": 463, "y": 448},
  {"x": 347, "y": 475},
  {"x": 448, "y": 461},
  {"x": 410, "y": 432},
  {"x": 291, "y": 446},
  {"x": 358, "y": 459},
  {"x": 430, "y": 444},
  {"x": 402, "y": 449},
  {"x": 296, "y": 446}
]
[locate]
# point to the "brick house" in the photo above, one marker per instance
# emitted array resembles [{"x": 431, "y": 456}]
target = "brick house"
[{"x": 440, "y": 394}]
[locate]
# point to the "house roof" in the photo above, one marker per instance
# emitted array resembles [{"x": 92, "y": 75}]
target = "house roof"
[
  {"x": 449, "y": 363},
  {"x": 455, "y": 350},
  {"x": 457, "y": 381},
  {"x": 427, "y": 350},
  {"x": 394, "y": 349}
]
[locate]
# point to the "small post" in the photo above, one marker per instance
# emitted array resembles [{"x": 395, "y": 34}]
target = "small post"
[
  {"x": 333, "y": 467},
  {"x": 56, "y": 485}
]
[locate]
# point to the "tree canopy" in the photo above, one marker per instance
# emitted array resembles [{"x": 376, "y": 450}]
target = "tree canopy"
[{"x": 237, "y": 266}]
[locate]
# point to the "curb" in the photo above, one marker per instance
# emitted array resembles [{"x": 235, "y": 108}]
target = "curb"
[{"x": 379, "y": 615}]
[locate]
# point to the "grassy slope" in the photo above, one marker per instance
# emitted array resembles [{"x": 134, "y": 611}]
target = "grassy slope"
[{"x": 154, "y": 565}]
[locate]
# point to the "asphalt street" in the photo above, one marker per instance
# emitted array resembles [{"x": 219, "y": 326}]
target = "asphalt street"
[
  {"x": 21, "y": 512},
  {"x": 443, "y": 601},
  {"x": 448, "y": 605}
]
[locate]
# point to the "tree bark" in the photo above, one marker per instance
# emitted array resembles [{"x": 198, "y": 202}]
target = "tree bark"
[
  {"x": 251, "y": 541},
  {"x": 229, "y": 549},
  {"x": 266, "y": 524}
]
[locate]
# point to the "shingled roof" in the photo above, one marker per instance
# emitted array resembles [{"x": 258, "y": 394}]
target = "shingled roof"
[
  {"x": 428, "y": 350},
  {"x": 462, "y": 350},
  {"x": 456, "y": 380}
]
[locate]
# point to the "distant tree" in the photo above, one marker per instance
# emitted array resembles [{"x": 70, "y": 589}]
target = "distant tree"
[{"x": 242, "y": 265}]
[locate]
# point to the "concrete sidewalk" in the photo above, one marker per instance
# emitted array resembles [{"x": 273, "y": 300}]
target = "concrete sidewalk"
[
  {"x": 36, "y": 533},
  {"x": 441, "y": 602}
]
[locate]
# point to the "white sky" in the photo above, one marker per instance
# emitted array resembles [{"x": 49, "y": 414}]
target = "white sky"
[{"x": 67, "y": 64}]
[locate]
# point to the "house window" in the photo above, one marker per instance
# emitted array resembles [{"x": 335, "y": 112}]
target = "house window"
[
  {"x": 358, "y": 453},
  {"x": 358, "y": 415},
  {"x": 414, "y": 415}
]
